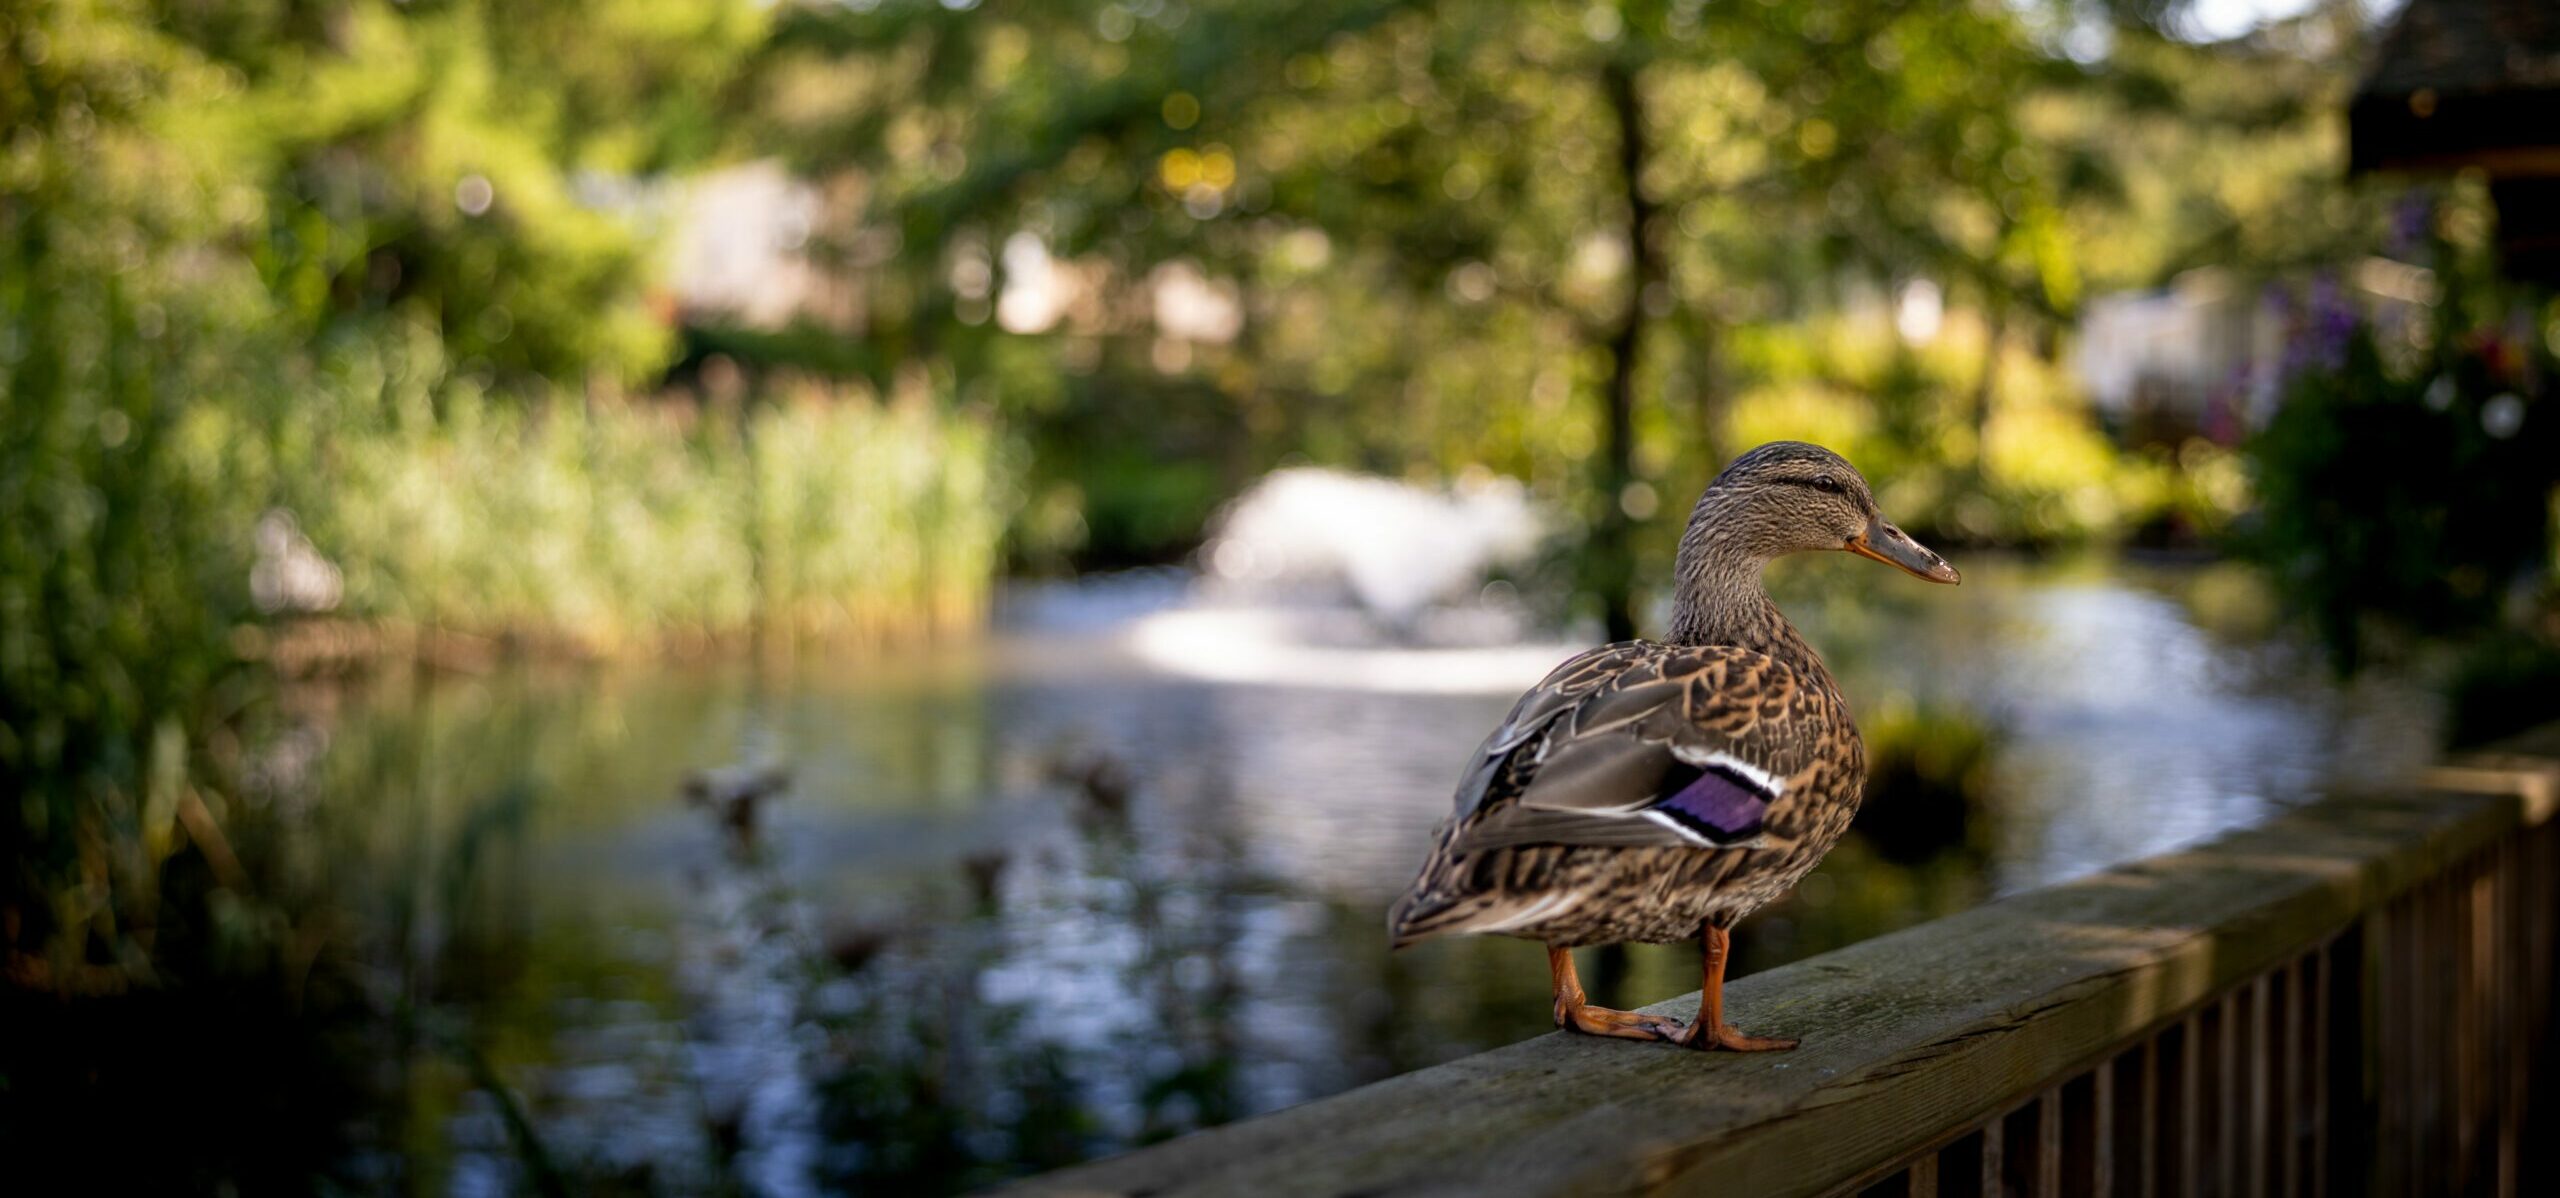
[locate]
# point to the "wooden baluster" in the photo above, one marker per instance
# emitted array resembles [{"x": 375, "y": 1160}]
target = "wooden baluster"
[
  {"x": 2427, "y": 1056},
  {"x": 2533, "y": 907},
  {"x": 2436, "y": 1064},
  {"x": 2190, "y": 1100},
  {"x": 2048, "y": 1160},
  {"x": 2089, "y": 1132},
  {"x": 2230, "y": 1123},
  {"x": 2458, "y": 1031},
  {"x": 2480, "y": 1023},
  {"x": 1995, "y": 1159},
  {"x": 2391, "y": 1027},
  {"x": 2259, "y": 1154},
  {"x": 2324, "y": 1000},
  {"x": 2291, "y": 1019},
  {"x": 2138, "y": 1122},
  {"x": 2418, "y": 938},
  {"x": 2510, "y": 1060}
]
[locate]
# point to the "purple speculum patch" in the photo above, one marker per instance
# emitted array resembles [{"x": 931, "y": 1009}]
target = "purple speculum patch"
[{"x": 1722, "y": 804}]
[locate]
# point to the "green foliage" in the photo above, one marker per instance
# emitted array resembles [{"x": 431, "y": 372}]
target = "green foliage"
[
  {"x": 2227, "y": 156},
  {"x": 2503, "y": 685},
  {"x": 121, "y": 574},
  {"x": 372, "y": 265},
  {"x": 1420, "y": 211},
  {"x": 2410, "y": 472},
  {"x": 135, "y": 875},
  {"x": 2420, "y": 495},
  {"x": 1929, "y": 798},
  {"x": 2015, "y": 459},
  {"x": 441, "y": 164}
]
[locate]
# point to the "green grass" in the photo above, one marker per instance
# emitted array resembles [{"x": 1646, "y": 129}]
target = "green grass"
[{"x": 618, "y": 526}]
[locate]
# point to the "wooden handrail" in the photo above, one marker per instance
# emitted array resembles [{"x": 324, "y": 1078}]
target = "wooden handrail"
[{"x": 2220, "y": 1012}]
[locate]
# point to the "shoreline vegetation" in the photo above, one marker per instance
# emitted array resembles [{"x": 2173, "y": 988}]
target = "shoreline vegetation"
[{"x": 630, "y": 528}]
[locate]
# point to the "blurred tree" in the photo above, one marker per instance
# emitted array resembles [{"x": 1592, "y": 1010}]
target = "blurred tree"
[
  {"x": 468, "y": 166},
  {"x": 122, "y": 574},
  {"x": 230, "y": 236},
  {"x": 1433, "y": 224},
  {"x": 2226, "y": 154}
]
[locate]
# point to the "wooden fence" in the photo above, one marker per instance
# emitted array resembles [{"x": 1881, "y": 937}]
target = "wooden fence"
[{"x": 2351, "y": 998}]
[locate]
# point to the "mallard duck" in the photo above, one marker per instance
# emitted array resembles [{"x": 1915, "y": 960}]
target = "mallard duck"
[
  {"x": 1660, "y": 791},
  {"x": 736, "y": 794}
]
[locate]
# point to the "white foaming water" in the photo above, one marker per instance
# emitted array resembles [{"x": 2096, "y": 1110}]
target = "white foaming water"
[
  {"x": 1320, "y": 578},
  {"x": 1396, "y": 548},
  {"x": 1274, "y": 647}
]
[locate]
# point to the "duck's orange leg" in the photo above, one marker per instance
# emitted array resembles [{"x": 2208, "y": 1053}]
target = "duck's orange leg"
[
  {"x": 1574, "y": 1013},
  {"x": 1710, "y": 1030}
]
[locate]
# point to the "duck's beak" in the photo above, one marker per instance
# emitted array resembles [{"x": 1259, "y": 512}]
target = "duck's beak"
[{"x": 1894, "y": 547}]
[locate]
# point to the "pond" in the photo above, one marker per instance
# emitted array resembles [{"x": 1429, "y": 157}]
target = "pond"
[{"x": 1045, "y": 896}]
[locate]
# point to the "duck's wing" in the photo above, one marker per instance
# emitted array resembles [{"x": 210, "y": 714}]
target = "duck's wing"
[{"x": 1638, "y": 744}]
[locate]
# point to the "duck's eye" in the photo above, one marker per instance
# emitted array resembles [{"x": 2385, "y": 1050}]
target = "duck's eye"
[{"x": 1830, "y": 484}]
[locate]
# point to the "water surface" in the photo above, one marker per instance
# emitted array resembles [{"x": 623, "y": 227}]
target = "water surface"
[{"x": 1046, "y": 896}]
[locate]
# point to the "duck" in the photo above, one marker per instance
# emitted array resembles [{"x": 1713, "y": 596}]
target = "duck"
[
  {"x": 1660, "y": 791},
  {"x": 735, "y": 794}
]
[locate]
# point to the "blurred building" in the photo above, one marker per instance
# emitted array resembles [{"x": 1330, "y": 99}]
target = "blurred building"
[
  {"x": 738, "y": 246},
  {"x": 2195, "y": 354},
  {"x": 756, "y": 247},
  {"x": 2207, "y": 353}
]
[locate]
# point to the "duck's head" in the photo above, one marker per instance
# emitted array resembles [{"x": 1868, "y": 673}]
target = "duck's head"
[{"x": 1791, "y": 497}]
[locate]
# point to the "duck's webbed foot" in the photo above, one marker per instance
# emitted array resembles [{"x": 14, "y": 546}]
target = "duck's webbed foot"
[
  {"x": 1629, "y": 1025},
  {"x": 1573, "y": 1013},
  {"x": 1711, "y": 1031},
  {"x": 1722, "y": 1037}
]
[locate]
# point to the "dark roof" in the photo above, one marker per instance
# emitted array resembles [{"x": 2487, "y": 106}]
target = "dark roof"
[
  {"x": 2461, "y": 46},
  {"x": 2463, "y": 83}
]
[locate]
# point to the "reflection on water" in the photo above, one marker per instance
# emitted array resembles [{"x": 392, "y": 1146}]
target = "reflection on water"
[{"x": 1045, "y": 897}]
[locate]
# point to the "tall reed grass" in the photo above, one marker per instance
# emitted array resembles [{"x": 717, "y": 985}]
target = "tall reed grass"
[{"x": 615, "y": 525}]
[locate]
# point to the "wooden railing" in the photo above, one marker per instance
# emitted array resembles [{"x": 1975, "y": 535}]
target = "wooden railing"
[{"x": 2350, "y": 998}]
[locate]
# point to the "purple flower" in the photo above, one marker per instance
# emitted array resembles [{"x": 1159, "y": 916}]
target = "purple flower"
[
  {"x": 2411, "y": 219},
  {"x": 2318, "y": 329}
]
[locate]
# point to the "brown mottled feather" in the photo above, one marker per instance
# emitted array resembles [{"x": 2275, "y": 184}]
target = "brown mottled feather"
[{"x": 1787, "y": 720}]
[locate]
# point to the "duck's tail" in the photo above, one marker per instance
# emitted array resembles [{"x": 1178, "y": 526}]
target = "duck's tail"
[
  {"x": 1413, "y": 921},
  {"x": 1416, "y": 918},
  {"x": 1449, "y": 898}
]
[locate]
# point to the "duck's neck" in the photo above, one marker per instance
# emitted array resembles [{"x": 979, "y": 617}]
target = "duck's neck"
[{"x": 1720, "y": 600}]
